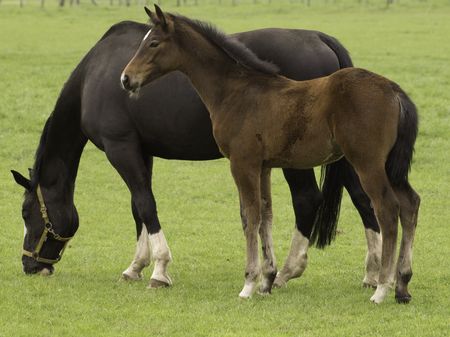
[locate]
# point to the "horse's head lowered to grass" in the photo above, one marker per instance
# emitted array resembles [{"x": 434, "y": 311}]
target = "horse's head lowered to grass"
[{"x": 48, "y": 211}]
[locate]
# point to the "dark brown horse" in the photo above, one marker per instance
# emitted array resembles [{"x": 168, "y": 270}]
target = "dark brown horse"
[{"x": 262, "y": 120}]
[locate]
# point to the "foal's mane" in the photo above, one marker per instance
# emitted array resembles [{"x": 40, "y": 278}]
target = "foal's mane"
[{"x": 235, "y": 49}]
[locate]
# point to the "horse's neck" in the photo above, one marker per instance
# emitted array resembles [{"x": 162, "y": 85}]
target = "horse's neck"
[{"x": 64, "y": 141}]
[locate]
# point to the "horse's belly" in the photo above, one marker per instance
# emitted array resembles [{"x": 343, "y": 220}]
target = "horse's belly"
[{"x": 306, "y": 154}]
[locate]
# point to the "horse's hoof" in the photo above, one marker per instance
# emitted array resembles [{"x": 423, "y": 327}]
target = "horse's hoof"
[
  {"x": 131, "y": 276},
  {"x": 154, "y": 284},
  {"x": 403, "y": 298}
]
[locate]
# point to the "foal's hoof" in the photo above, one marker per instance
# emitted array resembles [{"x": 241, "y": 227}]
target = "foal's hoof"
[
  {"x": 366, "y": 284},
  {"x": 403, "y": 298},
  {"x": 248, "y": 290},
  {"x": 131, "y": 276},
  {"x": 380, "y": 294},
  {"x": 267, "y": 283},
  {"x": 280, "y": 281},
  {"x": 154, "y": 284}
]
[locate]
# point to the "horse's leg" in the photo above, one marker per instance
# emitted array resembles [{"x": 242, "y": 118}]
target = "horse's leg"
[
  {"x": 247, "y": 178},
  {"x": 386, "y": 207},
  {"x": 142, "y": 254},
  {"x": 306, "y": 199},
  {"x": 269, "y": 267},
  {"x": 409, "y": 209},
  {"x": 372, "y": 230},
  {"x": 127, "y": 159}
]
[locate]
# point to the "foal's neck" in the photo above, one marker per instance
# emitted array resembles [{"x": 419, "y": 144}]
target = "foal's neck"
[{"x": 214, "y": 74}]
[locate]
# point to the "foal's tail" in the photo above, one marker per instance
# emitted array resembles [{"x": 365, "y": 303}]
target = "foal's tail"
[
  {"x": 399, "y": 160},
  {"x": 332, "y": 175},
  {"x": 397, "y": 166}
]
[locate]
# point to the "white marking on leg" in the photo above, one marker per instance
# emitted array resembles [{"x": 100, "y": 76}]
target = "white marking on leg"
[
  {"x": 381, "y": 293},
  {"x": 248, "y": 290},
  {"x": 373, "y": 258},
  {"x": 296, "y": 261},
  {"x": 162, "y": 256},
  {"x": 141, "y": 257}
]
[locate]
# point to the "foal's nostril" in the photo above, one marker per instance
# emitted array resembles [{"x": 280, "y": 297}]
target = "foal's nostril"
[{"x": 125, "y": 81}]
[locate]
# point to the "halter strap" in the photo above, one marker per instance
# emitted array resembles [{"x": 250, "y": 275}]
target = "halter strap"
[{"x": 48, "y": 230}]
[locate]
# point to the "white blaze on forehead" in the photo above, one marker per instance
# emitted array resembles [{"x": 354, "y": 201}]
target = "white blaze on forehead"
[
  {"x": 146, "y": 35},
  {"x": 24, "y": 230}
]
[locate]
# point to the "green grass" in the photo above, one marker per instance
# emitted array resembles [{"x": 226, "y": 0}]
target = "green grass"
[{"x": 197, "y": 202}]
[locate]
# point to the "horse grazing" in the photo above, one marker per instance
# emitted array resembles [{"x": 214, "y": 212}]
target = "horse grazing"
[
  {"x": 92, "y": 106},
  {"x": 262, "y": 120}
]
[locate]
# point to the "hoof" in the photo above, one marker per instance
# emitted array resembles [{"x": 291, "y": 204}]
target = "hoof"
[
  {"x": 380, "y": 294},
  {"x": 403, "y": 298},
  {"x": 267, "y": 283},
  {"x": 131, "y": 276},
  {"x": 248, "y": 290},
  {"x": 280, "y": 281},
  {"x": 154, "y": 284},
  {"x": 369, "y": 284}
]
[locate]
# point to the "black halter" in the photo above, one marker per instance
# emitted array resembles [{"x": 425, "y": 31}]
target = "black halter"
[{"x": 48, "y": 232}]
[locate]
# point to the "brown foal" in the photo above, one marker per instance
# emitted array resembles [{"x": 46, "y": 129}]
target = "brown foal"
[{"x": 262, "y": 120}]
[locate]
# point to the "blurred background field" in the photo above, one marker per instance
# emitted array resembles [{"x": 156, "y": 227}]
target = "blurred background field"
[{"x": 407, "y": 41}]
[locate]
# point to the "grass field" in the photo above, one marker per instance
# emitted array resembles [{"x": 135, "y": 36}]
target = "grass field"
[{"x": 197, "y": 201}]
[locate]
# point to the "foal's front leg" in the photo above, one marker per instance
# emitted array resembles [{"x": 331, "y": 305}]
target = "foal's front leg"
[
  {"x": 269, "y": 267},
  {"x": 247, "y": 178}
]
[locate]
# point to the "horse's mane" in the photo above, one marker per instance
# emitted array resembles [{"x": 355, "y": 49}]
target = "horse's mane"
[
  {"x": 39, "y": 156},
  {"x": 231, "y": 46}
]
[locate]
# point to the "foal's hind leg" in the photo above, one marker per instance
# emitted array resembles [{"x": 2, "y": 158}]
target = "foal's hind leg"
[
  {"x": 409, "y": 208},
  {"x": 372, "y": 230},
  {"x": 385, "y": 204},
  {"x": 269, "y": 268}
]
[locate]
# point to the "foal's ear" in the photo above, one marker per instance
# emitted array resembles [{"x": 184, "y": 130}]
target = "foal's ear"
[
  {"x": 21, "y": 180},
  {"x": 160, "y": 15}
]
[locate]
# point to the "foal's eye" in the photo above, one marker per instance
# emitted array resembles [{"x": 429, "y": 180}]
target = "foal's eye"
[{"x": 154, "y": 44}]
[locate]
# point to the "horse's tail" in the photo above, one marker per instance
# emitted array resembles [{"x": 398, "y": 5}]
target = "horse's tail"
[
  {"x": 341, "y": 53},
  {"x": 399, "y": 160},
  {"x": 332, "y": 175},
  {"x": 325, "y": 224}
]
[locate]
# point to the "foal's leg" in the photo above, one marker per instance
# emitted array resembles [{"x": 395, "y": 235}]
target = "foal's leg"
[
  {"x": 269, "y": 267},
  {"x": 126, "y": 157},
  {"x": 306, "y": 199},
  {"x": 372, "y": 230},
  {"x": 386, "y": 207},
  {"x": 247, "y": 178},
  {"x": 409, "y": 208}
]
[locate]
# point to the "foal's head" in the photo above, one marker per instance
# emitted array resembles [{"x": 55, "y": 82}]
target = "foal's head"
[{"x": 157, "y": 54}]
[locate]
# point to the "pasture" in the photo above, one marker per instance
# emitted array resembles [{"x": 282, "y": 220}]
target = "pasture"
[{"x": 198, "y": 203}]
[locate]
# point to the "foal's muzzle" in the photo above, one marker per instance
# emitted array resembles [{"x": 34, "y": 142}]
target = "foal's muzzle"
[{"x": 128, "y": 84}]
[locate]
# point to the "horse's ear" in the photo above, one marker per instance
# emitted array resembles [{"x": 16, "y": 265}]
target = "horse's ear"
[
  {"x": 21, "y": 180},
  {"x": 161, "y": 16},
  {"x": 149, "y": 12}
]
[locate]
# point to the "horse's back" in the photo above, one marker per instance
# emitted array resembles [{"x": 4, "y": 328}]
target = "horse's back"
[
  {"x": 300, "y": 54},
  {"x": 168, "y": 119}
]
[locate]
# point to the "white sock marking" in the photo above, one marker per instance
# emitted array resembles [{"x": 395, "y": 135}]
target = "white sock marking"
[
  {"x": 296, "y": 261},
  {"x": 141, "y": 257},
  {"x": 162, "y": 256}
]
